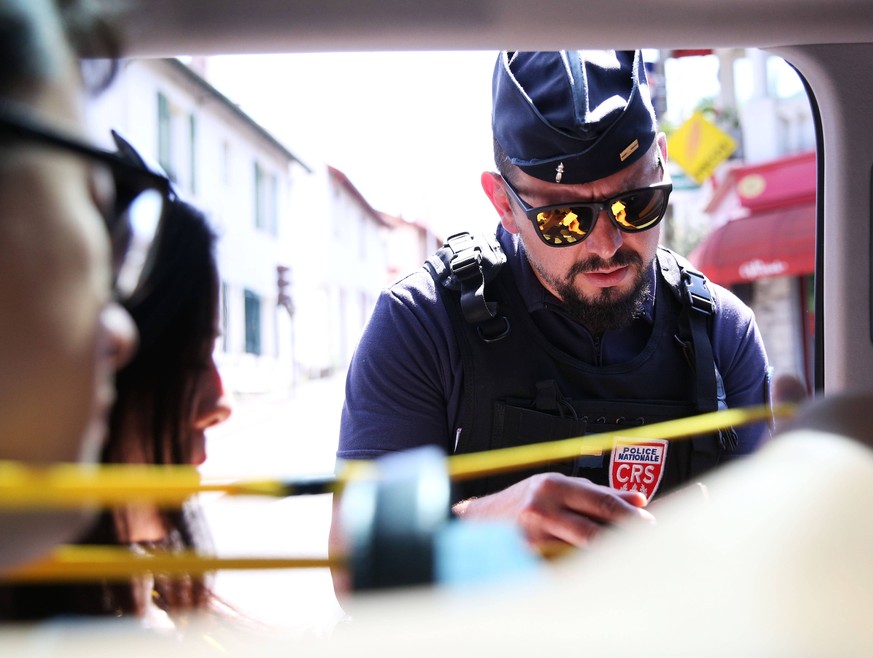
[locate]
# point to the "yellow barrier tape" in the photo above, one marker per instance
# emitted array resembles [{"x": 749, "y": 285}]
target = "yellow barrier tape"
[
  {"x": 478, "y": 464},
  {"x": 123, "y": 484},
  {"x": 73, "y": 485},
  {"x": 88, "y": 563}
]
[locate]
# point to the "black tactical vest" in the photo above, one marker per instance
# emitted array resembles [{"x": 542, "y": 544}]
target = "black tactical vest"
[{"x": 520, "y": 389}]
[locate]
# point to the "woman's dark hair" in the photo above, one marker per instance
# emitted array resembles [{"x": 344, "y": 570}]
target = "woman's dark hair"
[{"x": 176, "y": 312}]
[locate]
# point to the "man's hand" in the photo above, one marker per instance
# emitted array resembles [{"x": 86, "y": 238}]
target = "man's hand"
[{"x": 551, "y": 507}]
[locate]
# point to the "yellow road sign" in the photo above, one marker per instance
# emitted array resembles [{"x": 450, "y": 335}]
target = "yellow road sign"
[{"x": 699, "y": 146}]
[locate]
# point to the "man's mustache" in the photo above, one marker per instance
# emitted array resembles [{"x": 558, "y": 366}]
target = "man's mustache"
[{"x": 594, "y": 263}]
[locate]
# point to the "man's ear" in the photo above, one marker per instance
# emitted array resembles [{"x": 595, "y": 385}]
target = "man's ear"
[
  {"x": 662, "y": 145},
  {"x": 493, "y": 185}
]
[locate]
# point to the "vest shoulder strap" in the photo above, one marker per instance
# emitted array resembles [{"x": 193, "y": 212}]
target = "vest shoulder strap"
[
  {"x": 691, "y": 286},
  {"x": 686, "y": 281},
  {"x": 465, "y": 264}
]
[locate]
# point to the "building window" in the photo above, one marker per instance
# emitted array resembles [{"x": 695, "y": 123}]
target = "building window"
[
  {"x": 266, "y": 205},
  {"x": 340, "y": 210},
  {"x": 225, "y": 162},
  {"x": 223, "y": 311},
  {"x": 192, "y": 153},
  {"x": 165, "y": 136},
  {"x": 253, "y": 322}
]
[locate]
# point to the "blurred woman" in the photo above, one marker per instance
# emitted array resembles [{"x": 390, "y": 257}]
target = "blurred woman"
[{"x": 167, "y": 397}]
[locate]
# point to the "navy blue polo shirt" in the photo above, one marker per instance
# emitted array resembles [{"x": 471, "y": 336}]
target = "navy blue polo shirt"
[{"x": 405, "y": 381}]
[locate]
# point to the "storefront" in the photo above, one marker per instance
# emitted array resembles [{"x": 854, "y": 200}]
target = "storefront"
[{"x": 763, "y": 249}]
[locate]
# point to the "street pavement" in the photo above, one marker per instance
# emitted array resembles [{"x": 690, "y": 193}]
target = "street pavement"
[{"x": 285, "y": 435}]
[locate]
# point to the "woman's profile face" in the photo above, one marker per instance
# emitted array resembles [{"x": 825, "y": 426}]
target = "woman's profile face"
[{"x": 199, "y": 403}]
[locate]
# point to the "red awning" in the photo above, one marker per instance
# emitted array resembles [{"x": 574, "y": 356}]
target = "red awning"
[
  {"x": 691, "y": 52},
  {"x": 778, "y": 243}
]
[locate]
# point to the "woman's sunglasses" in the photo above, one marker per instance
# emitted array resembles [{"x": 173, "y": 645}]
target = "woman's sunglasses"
[
  {"x": 566, "y": 224},
  {"x": 141, "y": 196}
]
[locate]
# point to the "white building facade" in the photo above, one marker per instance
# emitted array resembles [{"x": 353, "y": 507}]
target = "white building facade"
[
  {"x": 339, "y": 265},
  {"x": 301, "y": 253}
]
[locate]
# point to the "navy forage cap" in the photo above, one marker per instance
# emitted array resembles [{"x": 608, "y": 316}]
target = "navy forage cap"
[{"x": 572, "y": 116}]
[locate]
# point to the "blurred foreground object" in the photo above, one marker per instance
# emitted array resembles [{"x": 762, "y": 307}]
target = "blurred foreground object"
[{"x": 778, "y": 557}]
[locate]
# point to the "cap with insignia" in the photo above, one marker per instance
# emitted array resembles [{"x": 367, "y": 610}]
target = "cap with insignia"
[{"x": 572, "y": 116}]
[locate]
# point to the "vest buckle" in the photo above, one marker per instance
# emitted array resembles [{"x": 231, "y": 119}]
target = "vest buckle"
[{"x": 696, "y": 293}]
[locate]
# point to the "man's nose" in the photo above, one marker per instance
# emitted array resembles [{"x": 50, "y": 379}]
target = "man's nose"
[{"x": 605, "y": 238}]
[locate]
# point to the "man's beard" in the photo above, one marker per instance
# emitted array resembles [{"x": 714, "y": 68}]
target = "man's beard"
[{"x": 610, "y": 309}]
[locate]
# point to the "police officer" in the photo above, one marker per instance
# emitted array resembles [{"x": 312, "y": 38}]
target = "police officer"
[{"x": 569, "y": 320}]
